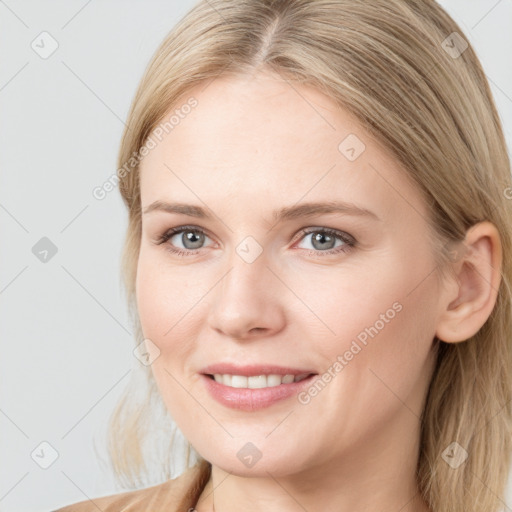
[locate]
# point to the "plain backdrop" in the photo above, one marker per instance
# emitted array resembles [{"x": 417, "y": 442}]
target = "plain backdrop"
[{"x": 66, "y": 342}]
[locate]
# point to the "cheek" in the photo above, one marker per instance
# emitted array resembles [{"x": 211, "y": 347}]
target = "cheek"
[
  {"x": 165, "y": 310},
  {"x": 170, "y": 306},
  {"x": 381, "y": 320},
  {"x": 378, "y": 356},
  {"x": 163, "y": 294},
  {"x": 152, "y": 294}
]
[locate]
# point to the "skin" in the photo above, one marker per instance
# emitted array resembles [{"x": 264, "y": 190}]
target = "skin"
[{"x": 254, "y": 144}]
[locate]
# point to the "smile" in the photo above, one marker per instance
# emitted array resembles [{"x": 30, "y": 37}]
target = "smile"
[
  {"x": 256, "y": 381},
  {"x": 251, "y": 393}
]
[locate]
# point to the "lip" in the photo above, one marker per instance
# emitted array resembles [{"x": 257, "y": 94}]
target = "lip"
[
  {"x": 253, "y": 370},
  {"x": 246, "y": 399}
]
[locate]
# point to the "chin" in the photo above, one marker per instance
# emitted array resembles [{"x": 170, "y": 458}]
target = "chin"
[{"x": 262, "y": 467}]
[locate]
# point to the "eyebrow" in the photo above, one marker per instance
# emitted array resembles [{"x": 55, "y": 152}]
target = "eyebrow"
[{"x": 285, "y": 213}]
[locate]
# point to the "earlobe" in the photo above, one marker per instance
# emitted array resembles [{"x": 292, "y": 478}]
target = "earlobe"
[{"x": 478, "y": 277}]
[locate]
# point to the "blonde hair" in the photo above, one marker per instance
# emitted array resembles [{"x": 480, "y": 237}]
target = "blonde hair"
[{"x": 403, "y": 69}]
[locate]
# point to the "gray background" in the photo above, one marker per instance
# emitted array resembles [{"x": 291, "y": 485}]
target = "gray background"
[{"x": 65, "y": 334}]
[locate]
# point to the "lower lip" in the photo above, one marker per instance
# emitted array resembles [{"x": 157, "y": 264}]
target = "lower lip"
[{"x": 246, "y": 399}]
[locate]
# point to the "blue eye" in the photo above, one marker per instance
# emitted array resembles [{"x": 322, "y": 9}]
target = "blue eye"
[
  {"x": 324, "y": 236},
  {"x": 190, "y": 235},
  {"x": 194, "y": 237}
]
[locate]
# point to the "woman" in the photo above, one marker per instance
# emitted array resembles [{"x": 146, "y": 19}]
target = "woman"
[{"x": 369, "y": 374}]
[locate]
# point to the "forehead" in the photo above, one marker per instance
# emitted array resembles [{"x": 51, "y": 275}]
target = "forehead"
[{"x": 260, "y": 136}]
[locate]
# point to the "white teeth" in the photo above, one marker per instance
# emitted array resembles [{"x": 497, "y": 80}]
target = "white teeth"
[
  {"x": 238, "y": 381},
  {"x": 257, "y": 381},
  {"x": 273, "y": 380}
]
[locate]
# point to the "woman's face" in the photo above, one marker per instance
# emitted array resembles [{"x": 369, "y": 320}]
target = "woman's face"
[{"x": 355, "y": 306}]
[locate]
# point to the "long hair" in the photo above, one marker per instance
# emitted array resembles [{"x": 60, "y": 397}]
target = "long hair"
[{"x": 406, "y": 71}]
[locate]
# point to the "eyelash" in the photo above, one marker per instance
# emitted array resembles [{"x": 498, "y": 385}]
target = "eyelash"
[{"x": 347, "y": 239}]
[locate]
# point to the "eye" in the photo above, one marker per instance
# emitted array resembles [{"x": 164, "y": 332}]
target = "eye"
[
  {"x": 192, "y": 239},
  {"x": 323, "y": 241}
]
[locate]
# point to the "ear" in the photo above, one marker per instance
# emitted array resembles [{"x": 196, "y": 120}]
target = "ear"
[{"x": 470, "y": 298}]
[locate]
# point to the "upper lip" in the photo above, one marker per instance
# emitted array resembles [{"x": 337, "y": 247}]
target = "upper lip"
[{"x": 253, "y": 370}]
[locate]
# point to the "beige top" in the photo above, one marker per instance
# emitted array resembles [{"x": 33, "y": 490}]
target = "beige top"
[{"x": 176, "y": 495}]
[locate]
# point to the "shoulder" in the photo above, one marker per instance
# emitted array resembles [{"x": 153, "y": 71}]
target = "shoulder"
[{"x": 171, "y": 495}]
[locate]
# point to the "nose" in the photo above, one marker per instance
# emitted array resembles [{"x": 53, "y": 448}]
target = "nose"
[{"x": 246, "y": 302}]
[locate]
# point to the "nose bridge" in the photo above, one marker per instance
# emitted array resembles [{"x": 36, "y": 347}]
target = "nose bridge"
[
  {"x": 246, "y": 297},
  {"x": 245, "y": 279}
]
